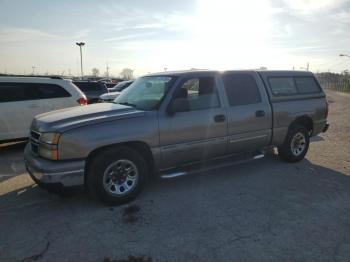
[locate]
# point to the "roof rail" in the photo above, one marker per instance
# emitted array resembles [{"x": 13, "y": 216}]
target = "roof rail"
[{"x": 38, "y": 76}]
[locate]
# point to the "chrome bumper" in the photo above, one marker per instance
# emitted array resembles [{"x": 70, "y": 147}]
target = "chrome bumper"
[{"x": 66, "y": 173}]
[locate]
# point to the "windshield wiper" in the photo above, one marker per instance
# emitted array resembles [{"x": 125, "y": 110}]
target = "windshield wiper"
[{"x": 127, "y": 104}]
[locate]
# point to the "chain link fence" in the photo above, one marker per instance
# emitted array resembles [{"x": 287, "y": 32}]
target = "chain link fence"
[{"x": 334, "y": 81}]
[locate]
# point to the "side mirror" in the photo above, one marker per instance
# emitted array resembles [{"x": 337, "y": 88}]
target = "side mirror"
[{"x": 179, "y": 105}]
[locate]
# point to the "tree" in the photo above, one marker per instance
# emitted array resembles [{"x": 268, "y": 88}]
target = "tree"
[
  {"x": 127, "y": 74},
  {"x": 95, "y": 72}
]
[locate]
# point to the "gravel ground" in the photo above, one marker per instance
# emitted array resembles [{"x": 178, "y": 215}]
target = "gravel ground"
[{"x": 265, "y": 210}]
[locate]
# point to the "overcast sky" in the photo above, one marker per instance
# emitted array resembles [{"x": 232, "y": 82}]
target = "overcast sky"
[{"x": 151, "y": 35}]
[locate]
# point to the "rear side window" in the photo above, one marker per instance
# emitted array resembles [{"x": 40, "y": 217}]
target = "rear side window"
[
  {"x": 281, "y": 86},
  {"x": 10, "y": 92},
  {"x": 241, "y": 89},
  {"x": 307, "y": 85}
]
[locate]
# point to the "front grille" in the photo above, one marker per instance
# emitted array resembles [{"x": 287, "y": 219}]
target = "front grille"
[
  {"x": 35, "y": 148},
  {"x": 34, "y": 141},
  {"x": 35, "y": 135}
]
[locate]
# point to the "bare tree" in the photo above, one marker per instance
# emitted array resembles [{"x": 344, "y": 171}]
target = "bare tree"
[
  {"x": 127, "y": 74},
  {"x": 95, "y": 72}
]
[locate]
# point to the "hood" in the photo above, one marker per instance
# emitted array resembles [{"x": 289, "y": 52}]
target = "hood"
[
  {"x": 69, "y": 118},
  {"x": 110, "y": 95}
]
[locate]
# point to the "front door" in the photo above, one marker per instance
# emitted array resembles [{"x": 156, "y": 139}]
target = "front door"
[{"x": 199, "y": 133}]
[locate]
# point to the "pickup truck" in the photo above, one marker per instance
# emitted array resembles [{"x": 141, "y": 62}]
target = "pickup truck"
[{"x": 175, "y": 123}]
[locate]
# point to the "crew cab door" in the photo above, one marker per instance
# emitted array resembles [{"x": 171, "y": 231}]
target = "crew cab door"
[
  {"x": 200, "y": 132},
  {"x": 249, "y": 112}
]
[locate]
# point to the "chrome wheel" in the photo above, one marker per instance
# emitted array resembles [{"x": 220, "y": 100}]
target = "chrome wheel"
[
  {"x": 120, "y": 177},
  {"x": 298, "y": 144}
]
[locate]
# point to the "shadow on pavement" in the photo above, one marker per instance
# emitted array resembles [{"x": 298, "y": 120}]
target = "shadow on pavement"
[{"x": 252, "y": 211}]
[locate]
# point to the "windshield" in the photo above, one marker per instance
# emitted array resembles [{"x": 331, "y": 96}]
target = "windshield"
[
  {"x": 145, "y": 93},
  {"x": 120, "y": 86}
]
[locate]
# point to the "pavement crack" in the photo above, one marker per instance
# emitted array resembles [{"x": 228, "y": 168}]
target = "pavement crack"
[{"x": 38, "y": 256}]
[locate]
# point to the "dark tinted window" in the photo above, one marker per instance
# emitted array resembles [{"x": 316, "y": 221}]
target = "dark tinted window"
[
  {"x": 200, "y": 92},
  {"x": 281, "y": 86},
  {"x": 91, "y": 87},
  {"x": 30, "y": 91},
  {"x": 307, "y": 85},
  {"x": 241, "y": 89}
]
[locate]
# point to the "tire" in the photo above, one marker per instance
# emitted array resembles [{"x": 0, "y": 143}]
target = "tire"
[
  {"x": 117, "y": 175},
  {"x": 296, "y": 144}
]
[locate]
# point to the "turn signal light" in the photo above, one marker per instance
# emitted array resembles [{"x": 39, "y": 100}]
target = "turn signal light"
[{"x": 327, "y": 108}]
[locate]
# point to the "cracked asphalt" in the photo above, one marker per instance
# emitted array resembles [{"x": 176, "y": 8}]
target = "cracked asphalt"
[{"x": 265, "y": 210}]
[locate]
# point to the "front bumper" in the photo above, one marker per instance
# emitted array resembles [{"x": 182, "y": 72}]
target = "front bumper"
[{"x": 66, "y": 173}]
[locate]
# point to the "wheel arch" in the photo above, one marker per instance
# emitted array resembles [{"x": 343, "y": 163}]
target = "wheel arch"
[
  {"x": 139, "y": 146},
  {"x": 304, "y": 120}
]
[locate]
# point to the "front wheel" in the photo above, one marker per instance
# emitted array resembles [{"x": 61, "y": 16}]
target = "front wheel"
[
  {"x": 296, "y": 144},
  {"x": 116, "y": 176}
]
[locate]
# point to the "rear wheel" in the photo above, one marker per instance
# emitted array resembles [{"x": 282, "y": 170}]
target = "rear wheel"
[
  {"x": 117, "y": 175},
  {"x": 296, "y": 144}
]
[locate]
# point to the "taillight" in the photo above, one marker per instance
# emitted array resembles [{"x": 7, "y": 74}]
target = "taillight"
[
  {"x": 82, "y": 101},
  {"x": 327, "y": 109}
]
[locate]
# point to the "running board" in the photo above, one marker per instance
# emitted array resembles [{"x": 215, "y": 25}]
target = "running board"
[{"x": 213, "y": 164}]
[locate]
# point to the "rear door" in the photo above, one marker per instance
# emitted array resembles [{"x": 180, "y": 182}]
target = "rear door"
[
  {"x": 249, "y": 112},
  {"x": 198, "y": 134}
]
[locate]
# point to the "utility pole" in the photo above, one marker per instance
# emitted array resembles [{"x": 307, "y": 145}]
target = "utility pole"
[
  {"x": 107, "y": 69},
  {"x": 81, "y": 44},
  {"x": 307, "y": 66}
]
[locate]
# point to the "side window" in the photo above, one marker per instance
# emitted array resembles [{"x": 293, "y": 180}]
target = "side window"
[
  {"x": 10, "y": 92},
  {"x": 200, "y": 92},
  {"x": 48, "y": 91},
  {"x": 307, "y": 85},
  {"x": 281, "y": 86},
  {"x": 241, "y": 89}
]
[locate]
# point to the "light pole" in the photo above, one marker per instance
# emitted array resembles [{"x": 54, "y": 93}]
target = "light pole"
[{"x": 81, "y": 44}]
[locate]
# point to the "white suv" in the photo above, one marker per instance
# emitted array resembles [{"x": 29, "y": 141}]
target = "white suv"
[{"x": 22, "y": 98}]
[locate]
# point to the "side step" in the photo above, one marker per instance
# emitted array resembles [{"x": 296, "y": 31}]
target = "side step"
[{"x": 212, "y": 164}]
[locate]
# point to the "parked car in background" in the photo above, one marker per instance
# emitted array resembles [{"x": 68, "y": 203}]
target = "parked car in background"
[
  {"x": 22, "y": 98},
  {"x": 92, "y": 90},
  {"x": 173, "y": 124},
  {"x": 108, "y": 82},
  {"x": 115, "y": 91}
]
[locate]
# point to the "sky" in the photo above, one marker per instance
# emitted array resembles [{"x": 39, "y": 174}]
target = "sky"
[{"x": 154, "y": 35}]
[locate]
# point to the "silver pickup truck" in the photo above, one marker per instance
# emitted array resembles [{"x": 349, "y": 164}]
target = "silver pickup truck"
[{"x": 174, "y": 123}]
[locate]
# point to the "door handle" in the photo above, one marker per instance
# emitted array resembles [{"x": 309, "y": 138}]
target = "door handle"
[
  {"x": 33, "y": 106},
  {"x": 219, "y": 118},
  {"x": 260, "y": 113}
]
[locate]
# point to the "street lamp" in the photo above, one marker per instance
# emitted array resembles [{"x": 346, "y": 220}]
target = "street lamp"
[{"x": 81, "y": 44}]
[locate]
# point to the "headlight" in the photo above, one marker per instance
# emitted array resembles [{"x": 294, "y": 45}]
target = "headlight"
[
  {"x": 48, "y": 151},
  {"x": 48, "y": 145},
  {"x": 50, "y": 138}
]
